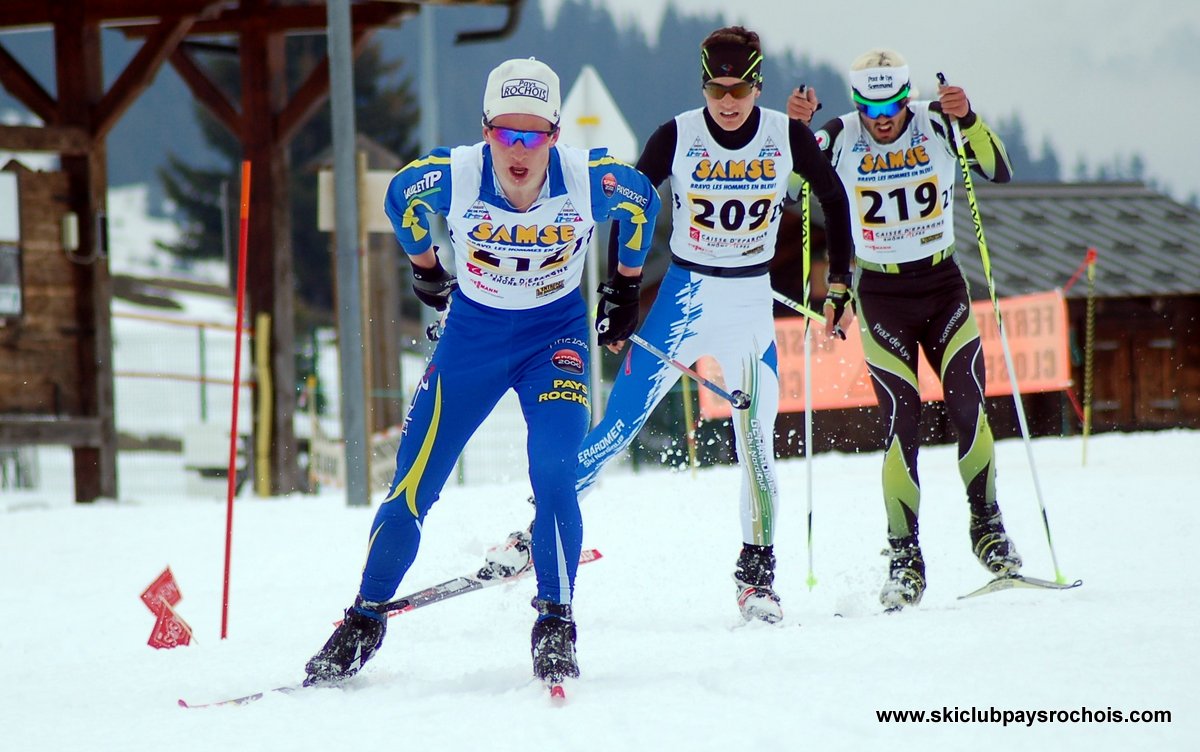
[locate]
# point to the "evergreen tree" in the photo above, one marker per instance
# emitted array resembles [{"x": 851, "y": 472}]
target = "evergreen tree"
[{"x": 385, "y": 111}]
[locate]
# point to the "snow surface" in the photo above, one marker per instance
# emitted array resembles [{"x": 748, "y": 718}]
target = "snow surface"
[{"x": 666, "y": 661}]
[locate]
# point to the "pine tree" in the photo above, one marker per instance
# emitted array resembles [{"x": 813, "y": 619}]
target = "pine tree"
[{"x": 386, "y": 111}]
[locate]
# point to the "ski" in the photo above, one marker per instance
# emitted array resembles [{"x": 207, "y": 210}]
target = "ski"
[
  {"x": 1004, "y": 582},
  {"x": 430, "y": 595},
  {"x": 243, "y": 700},
  {"x": 558, "y": 695},
  {"x": 461, "y": 586}
]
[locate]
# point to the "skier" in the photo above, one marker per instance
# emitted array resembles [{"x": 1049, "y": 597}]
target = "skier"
[
  {"x": 520, "y": 211},
  {"x": 729, "y": 164},
  {"x": 897, "y": 161}
]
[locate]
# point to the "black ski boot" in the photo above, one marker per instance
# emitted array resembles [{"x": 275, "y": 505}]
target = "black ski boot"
[
  {"x": 992, "y": 546},
  {"x": 906, "y": 574},
  {"x": 754, "y": 576},
  {"x": 553, "y": 642},
  {"x": 352, "y": 644}
]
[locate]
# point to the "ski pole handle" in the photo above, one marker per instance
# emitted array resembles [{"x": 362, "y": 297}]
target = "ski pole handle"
[
  {"x": 739, "y": 399},
  {"x": 434, "y": 331},
  {"x": 803, "y": 88}
]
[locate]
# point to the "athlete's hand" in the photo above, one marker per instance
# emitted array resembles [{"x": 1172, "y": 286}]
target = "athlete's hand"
[
  {"x": 433, "y": 285},
  {"x": 838, "y": 314},
  {"x": 954, "y": 101},
  {"x": 803, "y": 104},
  {"x": 617, "y": 310}
]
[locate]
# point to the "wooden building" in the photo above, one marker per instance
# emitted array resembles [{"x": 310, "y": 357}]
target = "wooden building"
[{"x": 56, "y": 379}]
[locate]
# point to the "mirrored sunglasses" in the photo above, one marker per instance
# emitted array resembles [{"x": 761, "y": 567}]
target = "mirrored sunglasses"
[
  {"x": 531, "y": 139},
  {"x": 740, "y": 90},
  {"x": 887, "y": 108},
  {"x": 873, "y": 111}
]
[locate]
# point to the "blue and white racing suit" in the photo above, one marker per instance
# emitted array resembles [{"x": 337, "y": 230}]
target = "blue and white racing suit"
[
  {"x": 728, "y": 191},
  {"x": 517, "y": 321}
]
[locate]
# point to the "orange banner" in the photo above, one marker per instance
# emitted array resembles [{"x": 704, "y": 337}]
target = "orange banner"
[{"x": 1036, "y": 326}]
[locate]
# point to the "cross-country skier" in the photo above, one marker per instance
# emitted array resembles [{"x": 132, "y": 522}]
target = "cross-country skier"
[
  {"x": 729, "y": 164},
  {"x": 521, "y": 211},
  {"x": 899, "y": 166}
]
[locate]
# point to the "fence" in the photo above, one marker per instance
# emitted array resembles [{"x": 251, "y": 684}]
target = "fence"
[{"x": 172, "y": 373}]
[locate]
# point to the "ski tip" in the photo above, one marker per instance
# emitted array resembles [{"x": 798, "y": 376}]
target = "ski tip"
[
  {"x": 183, "y": 703},
  {"x": 558, "y": 695},
  {"x": 588, "y": 555}
]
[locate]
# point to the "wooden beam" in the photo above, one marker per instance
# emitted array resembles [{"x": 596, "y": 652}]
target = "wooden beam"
[
  {"x": 17, "y": 81},
  {"x": 293, "y": 18},
  {"x": 19, "y": 13},
  {"x": 139, "y": 73},
  {"x": 311, "y": 94},
  {"x": 75, "y": 432},
  {"x": 209, "y": 94},
  {"x": 53, "y": 138}
]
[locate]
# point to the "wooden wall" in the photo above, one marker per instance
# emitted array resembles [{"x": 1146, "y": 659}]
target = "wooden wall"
[
  {"x": 1147, "y": 362},
  {"x": 39, "y": 366}
]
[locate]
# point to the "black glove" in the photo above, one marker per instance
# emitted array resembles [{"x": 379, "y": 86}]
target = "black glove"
[
  {"x": 433, "y": 286},
  {"x": 617, "y": 311},
  {"x": 837, "y": 300}
]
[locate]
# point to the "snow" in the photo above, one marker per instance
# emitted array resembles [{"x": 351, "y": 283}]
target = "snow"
[{"x": 666, "y": 660}]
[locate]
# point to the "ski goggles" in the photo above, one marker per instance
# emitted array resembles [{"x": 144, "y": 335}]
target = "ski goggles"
[
  {"x": 530, "y": 139},
  {"x": 740, "y": 90},
  {"x": 887, "y": 108}
]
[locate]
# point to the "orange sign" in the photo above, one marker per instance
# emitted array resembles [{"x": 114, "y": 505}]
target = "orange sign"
[{"x": 1036, "y": 327}]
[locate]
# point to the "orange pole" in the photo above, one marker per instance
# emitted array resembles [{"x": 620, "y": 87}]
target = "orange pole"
[{"x": 237, "y": 377}]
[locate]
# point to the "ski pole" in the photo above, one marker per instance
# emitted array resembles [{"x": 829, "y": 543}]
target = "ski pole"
[
  {"x": 805, "y": 199},
  {"x": 739, "y": 399},
  {"x": 969, "y": 185},
  {"x": 798, "y": 307},
  {"x": 434, "y": 331}
]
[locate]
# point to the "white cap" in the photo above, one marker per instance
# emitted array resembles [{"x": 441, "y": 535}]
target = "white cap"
[
  {"x": 522, "y": 87},
  {"x": 879, "y": 75}
]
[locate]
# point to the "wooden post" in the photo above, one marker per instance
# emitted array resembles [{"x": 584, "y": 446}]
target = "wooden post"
[
  {"x": 269, "y": 273},
  {"x": 265, "y": 389},
  {"x": 80, "y": 81}
]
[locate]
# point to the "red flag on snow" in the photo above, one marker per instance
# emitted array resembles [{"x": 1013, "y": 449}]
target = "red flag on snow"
[
  {"x": 162, "y": 590},
  {"x": 170, "y": 631}
]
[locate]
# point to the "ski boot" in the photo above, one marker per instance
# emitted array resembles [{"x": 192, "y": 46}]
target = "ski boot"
[
  {"x": 553, "y": 642},
  {"x": 992, "y": 546},
  {"x": 754, "y": 576},
  {"x": 906, "y": 574},
  {"x": 352, "y": 644},
  {"x": 510, "y": 558}
]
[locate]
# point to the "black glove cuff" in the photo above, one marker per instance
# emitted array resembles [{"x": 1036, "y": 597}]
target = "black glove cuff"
[
  {"x": 840, "y": 279},
  {"x": 621, "y": 288},
  {"x": 437, "y": 273}
]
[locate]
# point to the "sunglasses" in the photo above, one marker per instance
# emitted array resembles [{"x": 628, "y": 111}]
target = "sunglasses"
[
  {"x": 531, "y": 139},
  {"x": 873, "y": 111},
  {"x": 740, "y": 90},
  {"x": 887, "y": 108}
]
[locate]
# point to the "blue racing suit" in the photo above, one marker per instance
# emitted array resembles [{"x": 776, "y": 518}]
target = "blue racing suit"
[{"x": 517, "y": 321}]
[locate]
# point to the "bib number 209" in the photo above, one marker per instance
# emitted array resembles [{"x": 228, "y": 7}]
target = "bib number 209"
[{"x": 731, "y": 214}]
